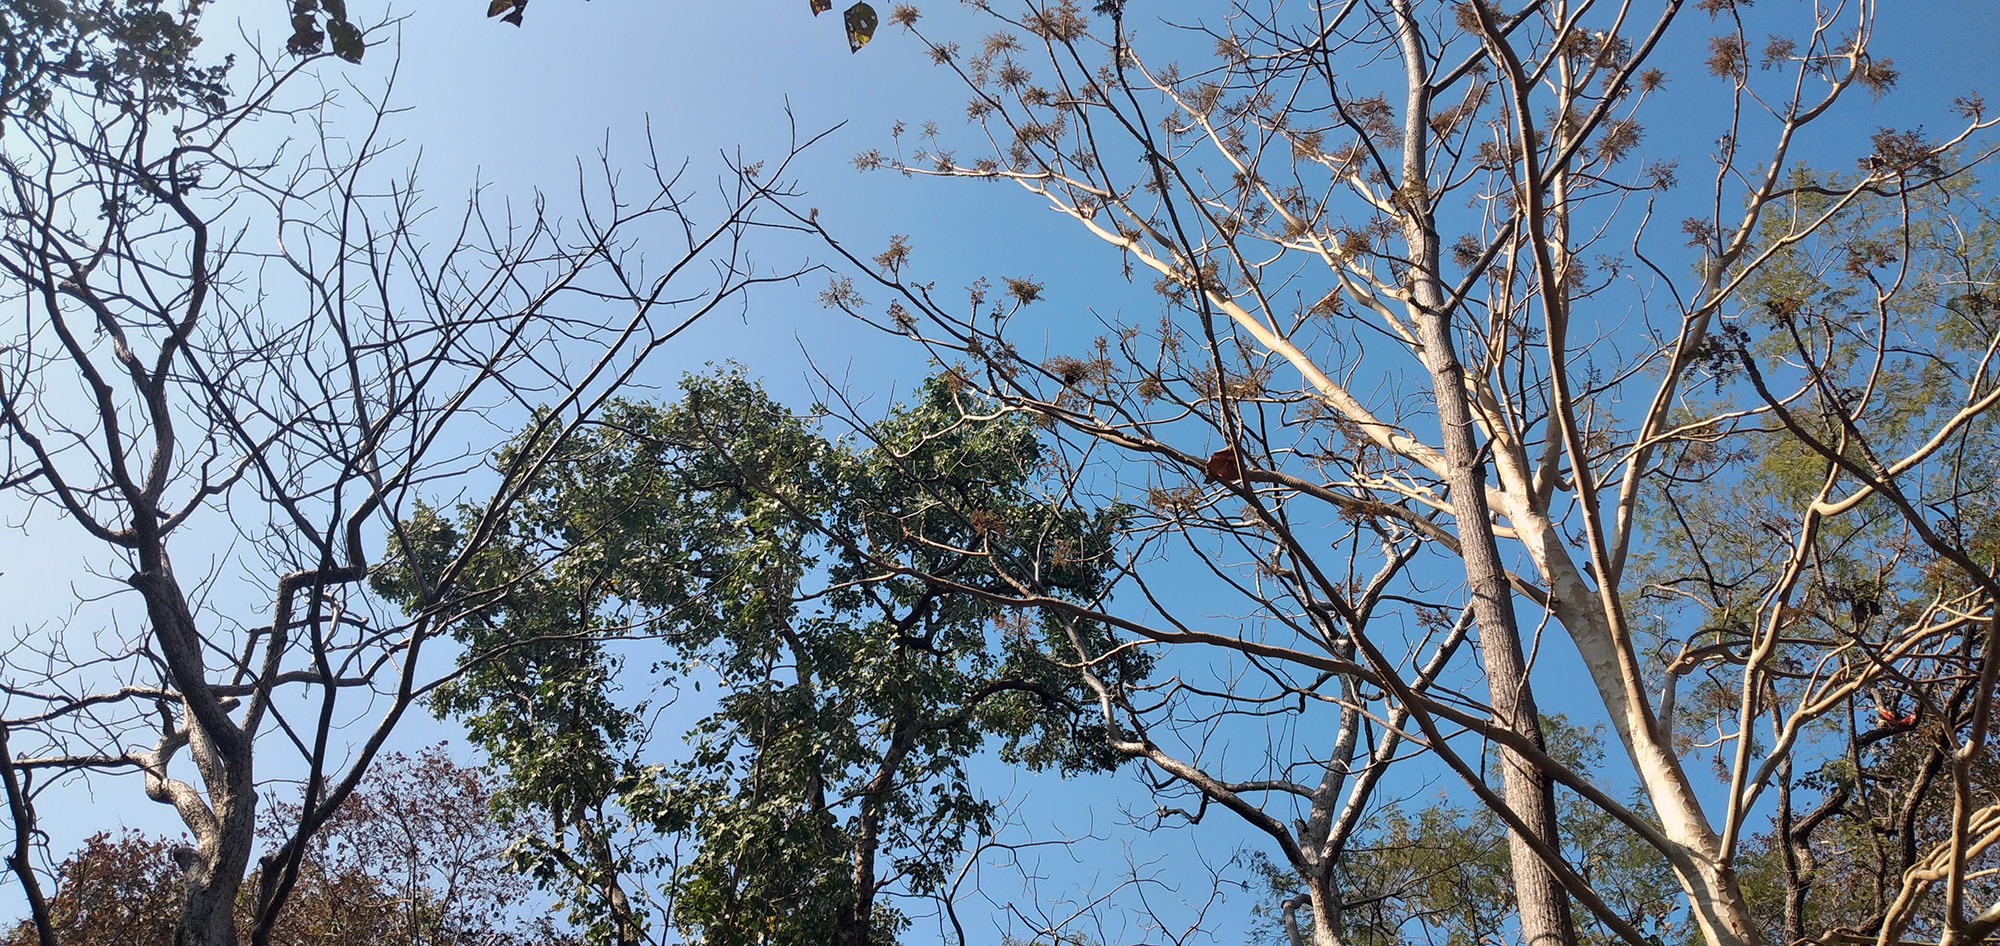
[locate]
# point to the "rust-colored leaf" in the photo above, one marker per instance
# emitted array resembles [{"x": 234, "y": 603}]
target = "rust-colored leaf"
[{"x": 1224, "y": 466}]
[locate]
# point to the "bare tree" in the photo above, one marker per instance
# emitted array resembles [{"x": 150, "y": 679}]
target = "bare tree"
[
  {"x": 1417, "y": 303},
  {"x": 235, "y": 360}
]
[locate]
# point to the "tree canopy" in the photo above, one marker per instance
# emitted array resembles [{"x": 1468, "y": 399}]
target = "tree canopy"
[
  {"x": 1532, "y": 470},
  {"x": 725, "y": 539},
  {"x": 1416, "y": 299},
  {"x": 140, "y": 53}
]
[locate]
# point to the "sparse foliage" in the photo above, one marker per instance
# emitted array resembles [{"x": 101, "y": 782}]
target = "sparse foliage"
[
  {"x": 1414, "y": 293},
  {"x": 230, "y": 363}
]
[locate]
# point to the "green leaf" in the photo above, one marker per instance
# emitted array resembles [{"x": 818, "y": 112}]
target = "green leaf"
[{"x": 348, "y": 43}]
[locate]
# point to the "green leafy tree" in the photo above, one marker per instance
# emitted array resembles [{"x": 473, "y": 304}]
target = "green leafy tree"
[
  {"x": 726, "y": 540},
  {"x": 1864, "y": 358},
  {"x": 137, "y": 54},
  {"x": 1430, "y": 869}
]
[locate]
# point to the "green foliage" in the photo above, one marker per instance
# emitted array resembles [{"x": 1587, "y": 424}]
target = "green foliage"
[
  {"x": 137, "y": 54},
  {"x": 1432, "y": 870},
  {"x": 1869, "y": 334},
  {"x": 725, "y": 540},
  {"x": 1853, "y": 349},
  {"x": 320, "y": 24},
  {"x": 1861, "y": 821},
  {"x": 1629, "y": 874}
]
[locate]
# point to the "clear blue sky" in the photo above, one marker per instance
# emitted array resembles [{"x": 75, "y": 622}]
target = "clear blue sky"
[{"x": 518, "y": 108}]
